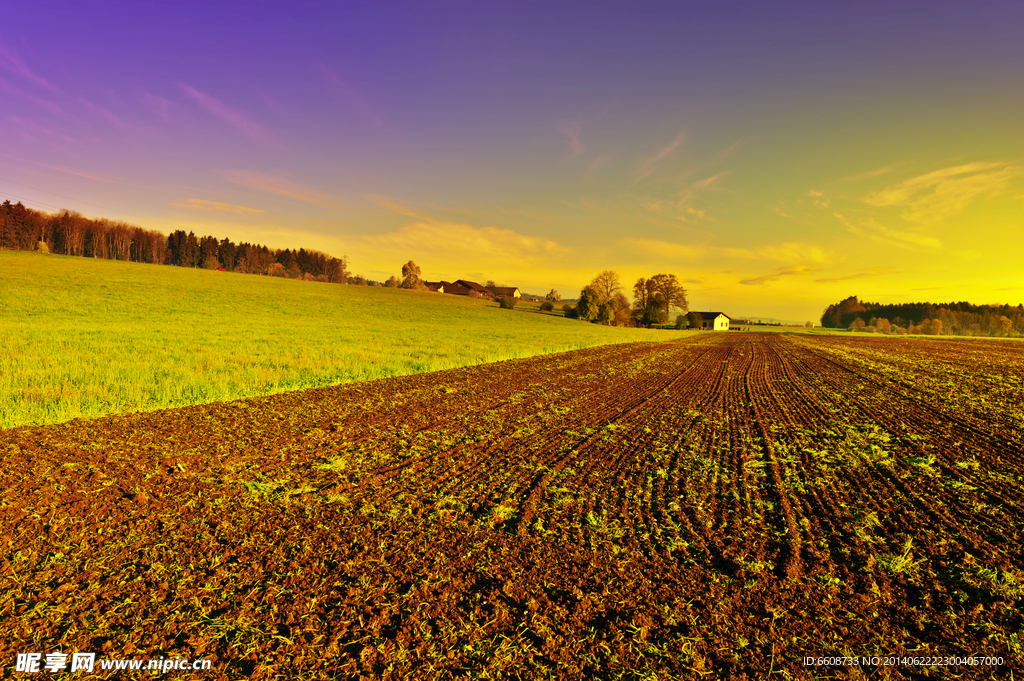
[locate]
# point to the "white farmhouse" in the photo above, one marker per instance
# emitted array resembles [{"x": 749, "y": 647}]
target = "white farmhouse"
[{"x": 713, "y": 321}]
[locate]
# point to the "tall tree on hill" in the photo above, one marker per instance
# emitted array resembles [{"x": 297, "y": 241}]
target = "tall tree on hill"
[
  {"x": 654, "y": 298},
  {"x": 601, "y": 301},
  {"x": 411, "y": 276},
  {"x": 589, "y": 305},
  {"x": 209, "y": 253},
  {"x": 226, "y": 252},
  {"x": 606, "y": 285}
]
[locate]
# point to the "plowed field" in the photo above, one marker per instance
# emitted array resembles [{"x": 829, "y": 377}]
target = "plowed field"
[{"x": 725, "y": 506}]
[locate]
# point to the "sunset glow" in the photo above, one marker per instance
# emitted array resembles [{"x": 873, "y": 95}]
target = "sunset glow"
[{"x": 776, "y": 158}]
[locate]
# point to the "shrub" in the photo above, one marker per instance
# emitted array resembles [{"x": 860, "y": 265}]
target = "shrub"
[
  {"x": 547, "y": 306},
  {"x": 570, "y": 311},
  {"x": 42, "y": 247},
  {"x": 681, "y": 321},
  {"x": 507, "y": 303}
]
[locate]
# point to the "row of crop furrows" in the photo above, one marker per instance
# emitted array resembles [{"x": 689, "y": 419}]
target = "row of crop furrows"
[
  {"x": 567, "y": 489},
  {"x": 900, "y": 468},
  {"x": 984, "y": 379},
  {"x": 818, "y": 484},
  {"x": 528, "y": 437},
  {"x": 973, "y": 464},
  {"x": 516, "y": 467},
  {"x": 606, "y": 496},
  {"x": 607, "y": 465},
  {"x": 632, "y": 486},
  {"x": 480, "y": 406}
]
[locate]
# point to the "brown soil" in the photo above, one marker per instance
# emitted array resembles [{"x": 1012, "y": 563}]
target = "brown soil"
[{"x": 719, "y": 508}]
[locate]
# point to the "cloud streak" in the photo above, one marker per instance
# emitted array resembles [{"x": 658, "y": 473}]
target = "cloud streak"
[
  {"x": 650, "y": 165},
  {"x": 342, "y": 87},
  {"x": 571, "y": 129},
  {"x": 278, "y": 186},
  {"x": 452, "y": 241},
  {"x": 234, "y": 119},
  {"x": 38, "y": 101},
  {"x": 12, "y": 62},
  {"x": 204, "y": 205},
  {"x": 940, "y": 194},
  {"x": 791, "y": 270},
  {"x": 859, "y": 275},
  {"x": 668, "y": 249}
]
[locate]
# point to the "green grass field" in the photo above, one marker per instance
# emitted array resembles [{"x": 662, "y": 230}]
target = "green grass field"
[{"x": 82, "y": 337}]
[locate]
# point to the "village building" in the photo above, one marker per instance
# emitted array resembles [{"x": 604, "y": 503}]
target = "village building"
[
  {"x": 464, "y": 287},
  {"x": 455, "y": 288},
  {"x": 505, "y": 292},
  {"x": 477, "y": 290},
  {"x": 435, "y": 286},
  {"x": 713, "y": 321}
]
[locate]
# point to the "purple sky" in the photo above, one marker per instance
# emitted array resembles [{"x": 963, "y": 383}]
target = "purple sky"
[{"x": 768, "y": 153}]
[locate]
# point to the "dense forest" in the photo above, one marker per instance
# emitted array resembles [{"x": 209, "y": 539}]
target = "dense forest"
[
  {"x": 956, "y": 319},
  {"x": 69, "y": 233}
]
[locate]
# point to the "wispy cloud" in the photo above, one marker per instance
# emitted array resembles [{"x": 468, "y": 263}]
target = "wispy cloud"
[
  {"x": 818, "y": 198},
  {"x": 38, "y": 101},
  {"x": 788, "y": 251},
  {"x": 867, "y": 175},
  {"x": 396, "y": 207},
  {"x": 452, "y": 241},
  {"x": 789, "y": 271},
  {"x": 105, "y": 114},
  {"x": 12, "y": 62},
  {"x": 44, "y": 134},
  {"x": 235, "y": 119},
  {"x": 571, "y": 129},
  {"x": 88, "y": 176},
  {"x": 649, "y": 165},
  {"x": 272, "y": 184},
  {"x": 943, "y": 193},
  {"x": 683, "y": 207},
  {"x": 203, "y": 204},
  {"x": 668, "y": 249},
  {"x": 350, "y": 94},
  {"x": 158, "y": 105},
  {"x": 863, "y": 274},
  {"x": 870, "y": 228}
]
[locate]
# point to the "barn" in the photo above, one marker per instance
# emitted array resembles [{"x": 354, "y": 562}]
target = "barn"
[
  {"x": 505, "y": 292},
  {"x": 713, "y": 321}
]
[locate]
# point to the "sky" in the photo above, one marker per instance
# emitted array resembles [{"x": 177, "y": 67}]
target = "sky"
[{"x": 776, "y": 157}]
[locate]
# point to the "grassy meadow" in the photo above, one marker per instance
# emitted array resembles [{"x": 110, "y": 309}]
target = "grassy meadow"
[{"x": 82, "y": 337}]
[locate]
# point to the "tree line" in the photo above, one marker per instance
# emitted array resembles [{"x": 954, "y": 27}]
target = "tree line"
[
  {"x": 956, "y": 319},
  {"x": 70, "y": 233},
  {"x": 602, "y": 301}
]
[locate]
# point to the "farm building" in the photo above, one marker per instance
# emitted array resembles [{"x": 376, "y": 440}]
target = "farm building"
[
  {"x": 713, "y": 321},
  {"x": 455, "y": 288},
  {"x": 505, "y": 292},
  {"x": 464, "y": 287},
  {"x": 435, "y": 286},
  {"x": 478, "y": 290}
]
